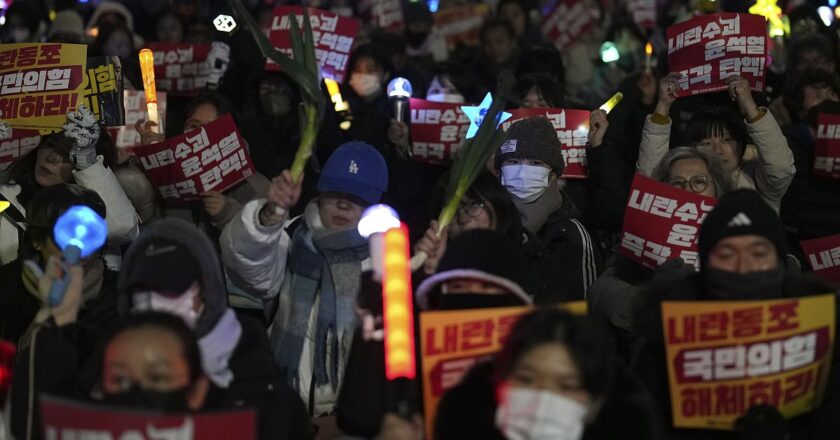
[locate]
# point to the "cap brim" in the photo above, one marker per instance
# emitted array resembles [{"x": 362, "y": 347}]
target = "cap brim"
[{"x": 428, "y": 285}]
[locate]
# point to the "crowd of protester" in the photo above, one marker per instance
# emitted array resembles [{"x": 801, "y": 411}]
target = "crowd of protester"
[{"x": 262, "y": 296}]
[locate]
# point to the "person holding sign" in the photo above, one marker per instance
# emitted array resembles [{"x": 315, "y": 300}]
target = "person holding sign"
[
  {"x": 742, "y": 250},
  {"x": 722, "y": 131},
  {"x": 309, "y": 267},
  {"x": 556, "y": 377}
]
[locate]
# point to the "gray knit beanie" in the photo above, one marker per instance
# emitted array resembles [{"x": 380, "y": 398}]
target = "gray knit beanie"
[{"x": 535, "y": 139}]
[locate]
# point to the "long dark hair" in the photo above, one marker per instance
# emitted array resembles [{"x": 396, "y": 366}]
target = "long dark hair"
[
  {"x": 588, "y": 344},
  {"x": 547, "y": 87}
]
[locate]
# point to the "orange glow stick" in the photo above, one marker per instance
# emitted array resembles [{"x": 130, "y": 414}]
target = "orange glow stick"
[
  {"x": 147, "y": 69},
  {"x": 398, "y": 313}
]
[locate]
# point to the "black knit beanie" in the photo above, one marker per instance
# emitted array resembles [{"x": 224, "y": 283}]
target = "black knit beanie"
[
  {"x": 533, "y": 138},
  {"x": 741, "y": 212}
]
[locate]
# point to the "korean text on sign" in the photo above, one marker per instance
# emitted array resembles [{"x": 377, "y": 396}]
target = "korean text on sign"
[
  {"x": 181, "y": 68},
  {"x": 453, "y": 341},
  {"x": 662, "y": 223},
  {"x": 18, "y": 144},
  {"x": 708, "y": 49},
  {"x": 725, "y": 357},
  {"x": 135, "y": 110},
  {"x": 461, "y": 25},
  {"x": 65, "y": 419},
  {"x": 40, "y": 83},
  {"x": 570, "y": 20},
  {"x": 333, "y": 36},
  {"x": 823, "y": 255},
  {"x": 572, "y": 127},
  {"x": 210, "y": 158},
  {"x": 103, "y": 90},
  {"x": 827, "y": 149},
  {"x": 437, "y": 130}
]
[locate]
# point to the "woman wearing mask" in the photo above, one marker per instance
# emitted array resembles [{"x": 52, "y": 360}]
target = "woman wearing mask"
[
  {"x": 369, "y": 71},
  {"x": 725, "y": 133},
  {"x": 114, "y": 39},
  {"x": 556, "y": 377}
]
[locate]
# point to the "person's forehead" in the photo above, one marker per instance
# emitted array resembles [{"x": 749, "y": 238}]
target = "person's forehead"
[{"x": 743, "y": 241}]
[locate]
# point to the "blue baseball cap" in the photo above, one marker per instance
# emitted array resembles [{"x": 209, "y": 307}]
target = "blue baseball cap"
[{"x": 355, "y": 168}]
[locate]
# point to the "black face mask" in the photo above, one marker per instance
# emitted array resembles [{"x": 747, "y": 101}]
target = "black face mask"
[
  {"x": 416, "y": 39},
  {"x": 174, "y": 401},
  {"x": 461, "y": 301},
  {"x": 724, "y": 285}
]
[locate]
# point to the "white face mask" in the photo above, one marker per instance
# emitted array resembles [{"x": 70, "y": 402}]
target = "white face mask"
[
  {"x": 452, "y": 98},
  {"x": 529, "y": 414},
  {"x": 365, "y": 84},
  {"x": 181, "y": 306},
  {"x": 525, "y": 182}
]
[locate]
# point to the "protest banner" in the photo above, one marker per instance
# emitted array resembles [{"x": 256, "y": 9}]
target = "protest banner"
[
  {"x": 437, "y": 130},
  {"x": 135, "y": 110},
  {"x": 181, "y": 68},
  {"x": 40, "y": 83},
  {"x": 662, "y": 223},
  {"x": 20, "y": 142},
  {"x": 452, "y": 341},
  {"x": 332, "y": 34},
  {"x": 827, "y": 149},
  {"x": 64, "y": 419},
  {"x": 823, "y": 256},
  {"x": 708, "y": 49},
  {"x": 570, "y": 20},
  {"x": 461, "y": 25},
  {"x": 572, "y": 127},
  {"x": 210, "y": 158},
  {"x": 384, "y": 14},
  {"x": 103, "y": 89},
  {"x": 643, "y": 12},
  {"x": 727, "y": 356}
]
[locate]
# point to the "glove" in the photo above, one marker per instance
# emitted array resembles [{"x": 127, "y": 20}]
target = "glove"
[
  {"x": 218, "y": 60},
  {"x": 83, "y": 128}
]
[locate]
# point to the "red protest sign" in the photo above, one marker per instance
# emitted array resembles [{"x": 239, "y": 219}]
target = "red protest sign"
[
  {"x": 570, "y": 20},
  {"x": 384, "y": 14},
  {"x": 708, "y": 49},
  {"x": 461, "y": 24},
  {"x": 18, "y": 144},
  {"x": 437, "y": 130},
  {"x": 644, "y": 13},
  {"x": 210, "y": 158},
  {"x": 824, "y": 256},
  {"x": 135, "y": 110},
  {"x": 333, "y": 36},
  {"x": 64, "y": 419},
  {"x": 572, "y": 127},
  {"x": 662, "y": 223},
  {"x": 827, "y": 149},
  {"x": 181, "y": 68}
]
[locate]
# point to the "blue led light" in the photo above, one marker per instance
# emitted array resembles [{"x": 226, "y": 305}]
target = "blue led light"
[
  {"x": 81, "y": 227},
  {"x": 400, "y": 87},
  {"x": 476, "y": 115}
]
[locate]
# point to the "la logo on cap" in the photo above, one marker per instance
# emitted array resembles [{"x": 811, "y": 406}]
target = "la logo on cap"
[
  {"x": 740, "y": 219},
  {"x": 354, "y": 167}
]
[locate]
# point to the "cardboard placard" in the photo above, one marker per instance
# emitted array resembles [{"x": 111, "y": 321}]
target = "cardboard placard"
[
  {"x": 643, "y": 12},
  {"x": 64, "y": 419},
  {"x": 126, "y": 135},
  {"x": 437, "y": 130},
  {"x": 18, "y": 144},
  {"x": 461, "y": 24},
  {"x": 333, "y": 36},
  {"x": 708, "y": 49},
  {"x": 726, "y": 356},
  {"x": 662, "y": 223},
  {"x": 210, "y": 158},
  {"x": 453, "y": 341},
  {"x": 384, "y": 14},
  {"x": 181, "y": 68},
  {"x": 570, "y": 20},
  {"x": 827, "y": 149},
  {"x": 823, "y": 256},
  {"x": 572, "y": 127},
  {"x": 103, "y": 89},
  {"x": 40, "y": 83}
]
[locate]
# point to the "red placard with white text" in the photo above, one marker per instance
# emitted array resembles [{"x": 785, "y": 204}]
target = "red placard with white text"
[
  {"x": 662, "y": 223},
  {"x": 181, "y": 68},
  {"x": 827, "y": 149},
  {"x": 643, "y": 12},
  {"x": 384, "y": 14},
  {"x": 68, "y": 419},
  {"x": 210, "y": 158},
  {"x": 437, "y": 130},
  {"x": 570, "y": 20},
  {"x": 461, "y": 25},
  {"x": 572, "y": 127},
  {"x": 823, "y": 255},
  {"x": 708, "y": 49},
  {"x": 332, "y": 33},
  {"x": 18, "y": 144},
  {"x": 135, "y": 110}
]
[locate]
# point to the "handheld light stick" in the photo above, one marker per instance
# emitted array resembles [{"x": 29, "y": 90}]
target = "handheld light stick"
[
  {"x": 609, "y": 52},
  {"x": 376, "y": 220},
  {"x": 341, "y": 106},
  {"x": 648, "y": 55},
  {"x": 399, "y": 92},
  {"x": 147, "y": 69},
  {"x": 79, "y": 232},
  {"x": 612, "y": 102}
]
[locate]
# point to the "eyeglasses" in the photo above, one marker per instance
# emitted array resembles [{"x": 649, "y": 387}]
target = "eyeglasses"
[
  {"x": 697, "y": 184},
  {"x": 471, "y": 209}
]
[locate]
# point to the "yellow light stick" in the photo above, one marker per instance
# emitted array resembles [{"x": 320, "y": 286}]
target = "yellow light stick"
[
  {"x": 147, "y": 69},
  {"x": 612, "y": 102},
  {"x": 648, "y": 55}
]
